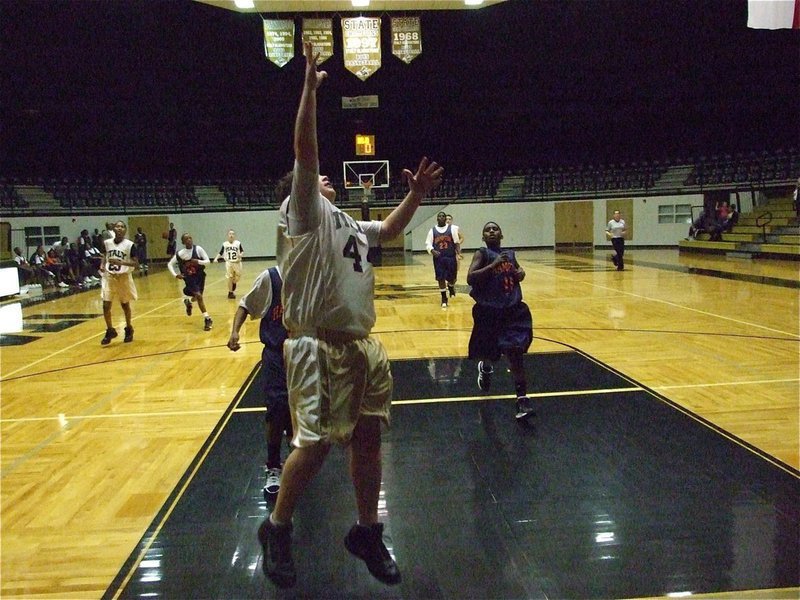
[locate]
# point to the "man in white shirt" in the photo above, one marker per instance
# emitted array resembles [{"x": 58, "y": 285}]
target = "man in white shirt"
[{"x": 615, "y": 231}]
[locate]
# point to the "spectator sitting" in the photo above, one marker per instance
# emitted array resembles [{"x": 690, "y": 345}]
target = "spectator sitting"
[
  {"x": 732, "y": 220},
  {"x": 97, "y": 240},
  {"x": 723, "y": 212},
  {"x": 60, "y": 248},
  {"x": 39, "y": 263},
  {"x": 27, "y": 274},
  {"x": 85, "y": 248},
  {"x": 76, "y": 264},
  {"x": 94, "y": 258},
  {"x": 702, "y": 224},
  {"x": 57, "y": 268}
]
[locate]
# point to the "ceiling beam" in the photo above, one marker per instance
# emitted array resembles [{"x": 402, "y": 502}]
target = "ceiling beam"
[{"x": 338, "y": 6}]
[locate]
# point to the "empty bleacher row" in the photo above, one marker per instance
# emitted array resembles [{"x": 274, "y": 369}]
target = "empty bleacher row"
[
  {"x": 593, "y": 178},
  {"x": 248, "y": 193},
  {"x": 754, "y": 170},
  {"x": 10, "y": 198},
  {"x": 745, "y": 168},
  {"x": 116, "y": 194},
  {"x": 455, "y": 186}
]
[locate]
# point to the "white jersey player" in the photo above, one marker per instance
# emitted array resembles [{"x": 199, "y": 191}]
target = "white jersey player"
[
  {"x": 116, "y": 268},
  {"x": 338, "y": 378},
  {"x": 331, "y": 283},
  {"x": 233, "y": 253}
]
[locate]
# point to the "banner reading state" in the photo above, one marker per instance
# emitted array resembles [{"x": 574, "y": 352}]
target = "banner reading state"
[
  {"x": 320, "y": 33},
  {"x": 361, "y": 38},
  {"x": 406, "y": 38},
  {"x": 279, "y": 40}
]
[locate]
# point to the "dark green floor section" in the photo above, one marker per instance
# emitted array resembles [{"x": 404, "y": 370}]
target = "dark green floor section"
[{"x": 607, "y": 495}]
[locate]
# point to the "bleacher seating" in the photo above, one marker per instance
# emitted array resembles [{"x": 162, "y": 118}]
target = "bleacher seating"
[
  {"x": 10, "y": 198},
  {"x": 755, "y": 170},
  {"x": 592, "y": 178},
  {"x": 89, "y": 194},
  {"x": 745, "y": 169},
  {"x": 247, "y": 193},
  {"x": 769, "y": 230}
]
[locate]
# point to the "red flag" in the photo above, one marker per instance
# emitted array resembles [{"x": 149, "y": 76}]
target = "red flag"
[{"x": 773, "y": 14}]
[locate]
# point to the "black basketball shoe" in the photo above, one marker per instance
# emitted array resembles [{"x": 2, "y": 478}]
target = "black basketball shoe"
[
  {"x": 366, "y": 542},
  {"x": 276, "y": 544},
  {"x": 110, "y": 335}
]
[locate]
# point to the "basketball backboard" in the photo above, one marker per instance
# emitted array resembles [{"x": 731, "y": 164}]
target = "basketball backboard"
[{"x": 356, "y": 172}]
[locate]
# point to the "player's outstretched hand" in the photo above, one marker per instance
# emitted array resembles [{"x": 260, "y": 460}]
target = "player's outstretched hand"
[
  {"x": 427, "y": 177},
  {"x": 313, "y": 77}
]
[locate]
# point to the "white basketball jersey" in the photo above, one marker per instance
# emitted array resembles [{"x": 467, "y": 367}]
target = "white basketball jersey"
[
  {"x": 121, "y": 251},
  {"x": 327, "y": 280},
  {"x": 231, "y": 251}
]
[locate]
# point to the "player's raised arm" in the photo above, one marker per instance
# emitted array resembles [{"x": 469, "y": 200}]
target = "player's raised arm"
[
  {"x": 305, "y": 126},
  {"x": 420, "y": 184},
  {"x": 305, "y": 189}
]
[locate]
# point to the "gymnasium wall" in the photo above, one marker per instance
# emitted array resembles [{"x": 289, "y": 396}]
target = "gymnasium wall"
[{"x": 525, "y": 225}]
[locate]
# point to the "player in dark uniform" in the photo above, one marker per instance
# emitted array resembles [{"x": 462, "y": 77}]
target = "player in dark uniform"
[
  {"x": 263, "y": 302},
  {"x": 502, "y": 322},
  {"x": 442, "y": 244},
  {"x": 189, "y": 264}
]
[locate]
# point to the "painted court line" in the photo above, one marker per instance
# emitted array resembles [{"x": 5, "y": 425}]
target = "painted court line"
[
  {"x": 513, "y": 396},
  {"x": 78, "y": 343},
  {"x": 723, "y": 384},
  {"x": 62, "y": 418}
]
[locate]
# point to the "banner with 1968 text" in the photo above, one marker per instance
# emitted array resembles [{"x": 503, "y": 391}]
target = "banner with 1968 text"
[{"x": 406, "y": 38}]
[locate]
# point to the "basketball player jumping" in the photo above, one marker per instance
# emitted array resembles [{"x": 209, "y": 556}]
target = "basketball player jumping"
[{"x": 339, "y": 382}]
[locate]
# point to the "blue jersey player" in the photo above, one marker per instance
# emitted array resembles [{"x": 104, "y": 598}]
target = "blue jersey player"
[
  {"x": 263, "y": 302},
  {"x": 502, "y": 322}
]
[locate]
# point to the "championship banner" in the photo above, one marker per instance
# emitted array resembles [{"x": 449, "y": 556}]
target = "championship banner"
[
  {"x": 279, "y": 40},
  {"x": 361, "y": 37},
  {"x": 406, "y": 38},
  {"x": 320, "y": 33}
]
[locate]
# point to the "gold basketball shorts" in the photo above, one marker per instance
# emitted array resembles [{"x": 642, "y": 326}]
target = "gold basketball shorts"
[
  {"x": 332, "y": 383},
  {"x": 118, "y": 287}
]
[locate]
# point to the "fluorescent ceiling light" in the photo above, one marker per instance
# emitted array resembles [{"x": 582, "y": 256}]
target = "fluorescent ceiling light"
[
  {"x": 244, "y": 3},
  {"x": 473, "y": 2},
  {"x": 360, "y": 3}
]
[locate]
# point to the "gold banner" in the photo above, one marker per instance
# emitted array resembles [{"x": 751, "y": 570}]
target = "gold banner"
[
  {"x": 406, "y": 38},
  {"x": 279, "y": 40},
  {"x": 320, "y": 33},
  {"x": 361, "y": 37}
]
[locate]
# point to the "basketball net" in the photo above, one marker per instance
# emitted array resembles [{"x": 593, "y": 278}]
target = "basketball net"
[{"x": 367, "y": 185}]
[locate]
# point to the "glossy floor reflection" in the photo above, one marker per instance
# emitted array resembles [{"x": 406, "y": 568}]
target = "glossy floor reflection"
[{"x": 612, "y": 493}]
